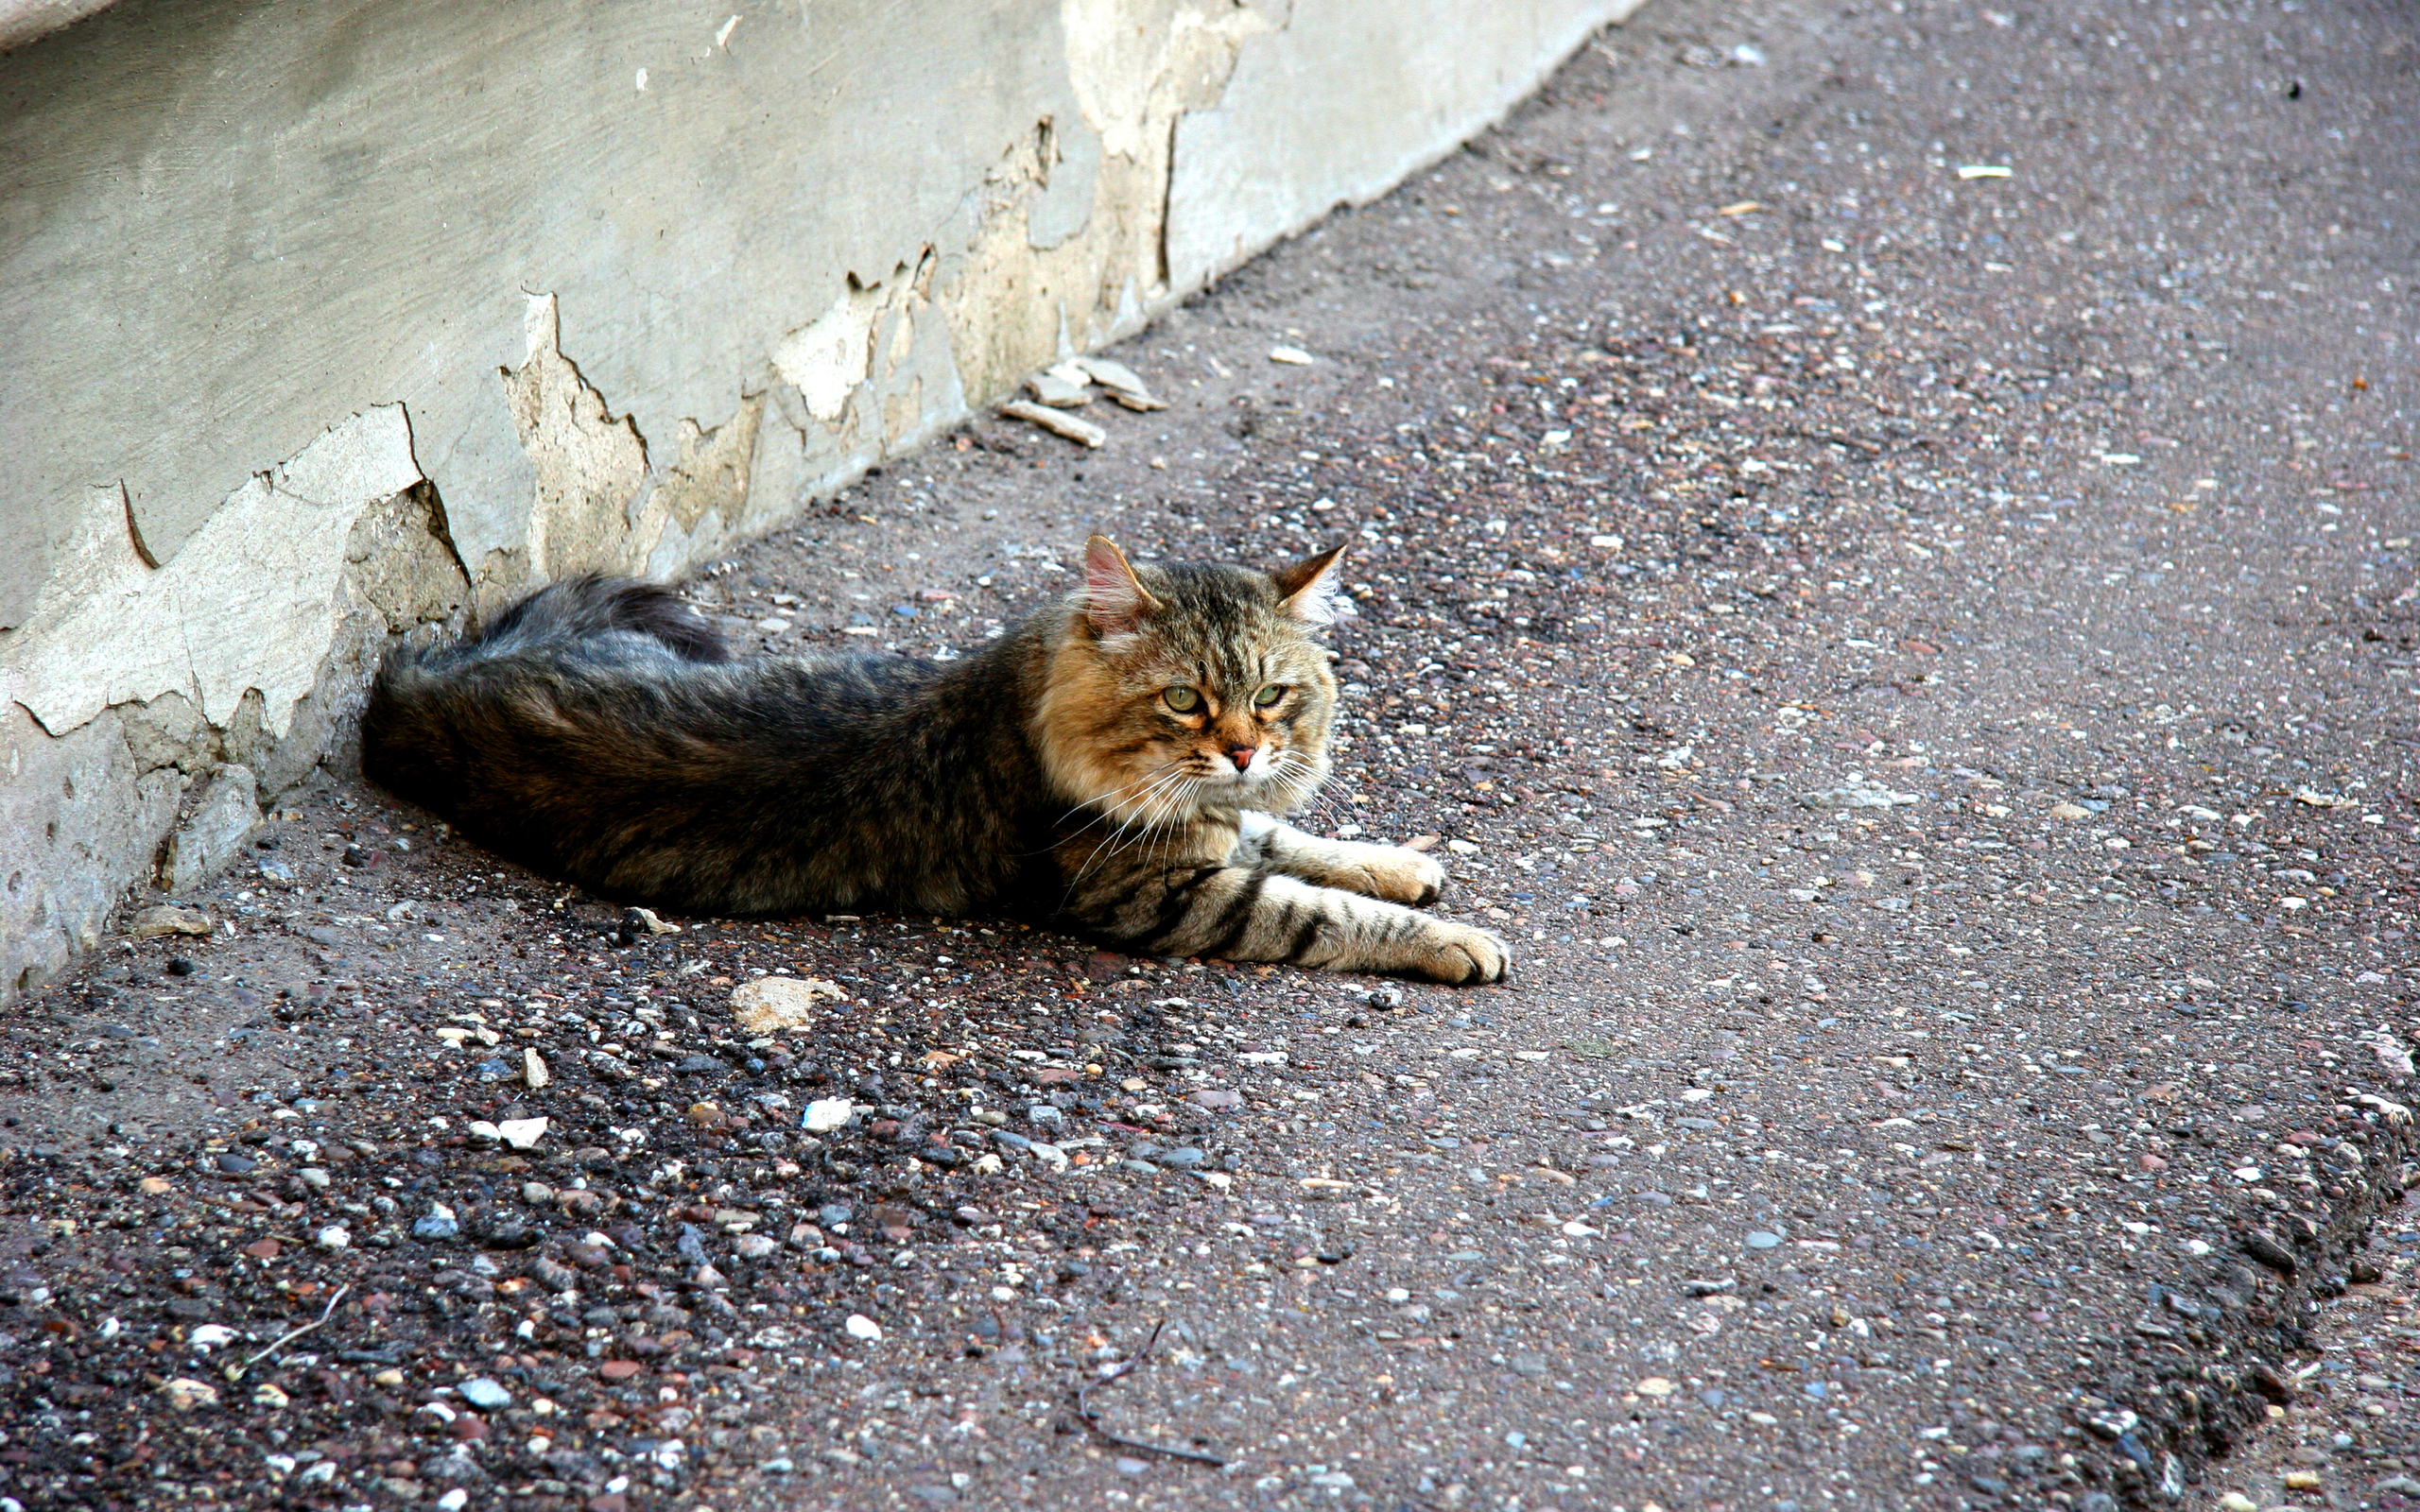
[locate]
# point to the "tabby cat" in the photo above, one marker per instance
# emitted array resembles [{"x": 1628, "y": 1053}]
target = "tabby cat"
[{"x": 1114, "y": 765}]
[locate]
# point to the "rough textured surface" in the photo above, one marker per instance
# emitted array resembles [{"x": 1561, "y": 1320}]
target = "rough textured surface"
[
  {"x": 224, "y": 816},
  {"x": 567, "y": 290}
]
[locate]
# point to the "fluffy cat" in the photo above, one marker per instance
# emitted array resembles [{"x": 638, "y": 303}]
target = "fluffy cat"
[{"x": 1114, "y": 765}]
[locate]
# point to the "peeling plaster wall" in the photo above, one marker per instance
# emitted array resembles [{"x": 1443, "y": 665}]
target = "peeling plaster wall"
[{"x": 328, "y": 326}]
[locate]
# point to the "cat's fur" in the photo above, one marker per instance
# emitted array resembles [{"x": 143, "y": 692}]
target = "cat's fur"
[{"x": 598, "y": 732}]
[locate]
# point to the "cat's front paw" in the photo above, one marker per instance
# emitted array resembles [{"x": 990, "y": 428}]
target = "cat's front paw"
[
  {"x": 1459, "y": 956},
  {"x": 1399, "y": 876}
]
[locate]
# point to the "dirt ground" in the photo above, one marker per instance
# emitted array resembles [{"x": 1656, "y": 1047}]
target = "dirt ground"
[{"x": 1920, "y": 662}]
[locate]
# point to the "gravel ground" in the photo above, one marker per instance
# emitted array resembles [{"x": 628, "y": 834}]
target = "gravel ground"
[{"x": 1920, "y": 664}]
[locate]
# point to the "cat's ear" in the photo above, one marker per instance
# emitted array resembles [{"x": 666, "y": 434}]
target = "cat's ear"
[
  {"x": 1115, "y": 598},
  {"x": 1308, "y": 589}
]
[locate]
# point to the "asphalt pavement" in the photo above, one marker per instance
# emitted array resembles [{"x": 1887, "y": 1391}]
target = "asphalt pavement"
[{"x": 1882, "y": 538}]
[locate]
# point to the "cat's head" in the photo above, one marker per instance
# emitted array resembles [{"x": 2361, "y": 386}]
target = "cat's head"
[{"x": 1181, "y": 688}]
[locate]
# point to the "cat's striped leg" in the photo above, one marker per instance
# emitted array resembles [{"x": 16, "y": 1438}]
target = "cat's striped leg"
[
  {"x": 1250, "y": 914},
  {"x": 1388, "y": 871}
]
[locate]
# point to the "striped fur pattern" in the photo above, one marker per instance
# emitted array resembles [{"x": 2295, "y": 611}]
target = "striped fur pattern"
[{"x": 1117, "y": 763}]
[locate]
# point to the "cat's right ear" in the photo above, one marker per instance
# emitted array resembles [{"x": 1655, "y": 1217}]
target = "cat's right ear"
[{"x": 1115, "y": 599}]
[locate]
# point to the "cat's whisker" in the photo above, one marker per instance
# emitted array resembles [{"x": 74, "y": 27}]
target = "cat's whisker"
[
  {"x": 1176, "y": 780},
  {"x": 1110, "y": 811}
]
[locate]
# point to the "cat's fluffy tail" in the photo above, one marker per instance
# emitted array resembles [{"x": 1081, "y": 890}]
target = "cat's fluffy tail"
[
  {"x": 431, "y": 708},
  {"x": 593, "y": 606}
]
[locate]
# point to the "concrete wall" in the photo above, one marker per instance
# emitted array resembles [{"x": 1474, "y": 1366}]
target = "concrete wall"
[{"x": 329, "y": 322}]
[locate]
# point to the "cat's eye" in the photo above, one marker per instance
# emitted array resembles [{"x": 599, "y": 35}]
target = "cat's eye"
[
  {"x": 1269, "y": 695},
  {"x": 1183, "y": 700}
]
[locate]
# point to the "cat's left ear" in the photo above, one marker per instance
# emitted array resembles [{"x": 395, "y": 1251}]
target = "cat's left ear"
[{"x": 1309, "y": 591}]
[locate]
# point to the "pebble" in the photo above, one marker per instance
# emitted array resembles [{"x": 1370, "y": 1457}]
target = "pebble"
[
  {"x": 169, "y": 919},
  {"x": 185, "y": 1395},
  {"x": 1215, "y": 1098},
  {"x": 484, "y": 1394},
  {"x": 827, "y": 1113},
  {"x": 861, "y": 1327},
  {"x": 233, "y": 1165},
  {"x": 441, "y": 1224},
  {"x": 1760, "y": 1239},
  {"x": 771, "y": 1005},
  {"x": 333, "y": 1238},
  {"x": 620, "y": 1369},
  {"x": 1529, "y": 1364}
]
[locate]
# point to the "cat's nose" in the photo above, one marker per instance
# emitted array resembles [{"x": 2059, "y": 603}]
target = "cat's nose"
[{"x": 1242, "y": 756}]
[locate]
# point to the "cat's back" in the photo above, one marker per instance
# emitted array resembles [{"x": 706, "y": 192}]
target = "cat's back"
[{"x": 600, "y": 731}]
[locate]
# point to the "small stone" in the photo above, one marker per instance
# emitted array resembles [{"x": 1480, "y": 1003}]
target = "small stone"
[
  {"x": 533, "y": 1069},
  {"x": 636, "y": 919},
  {"x": 441, "y": 1224},
  {"x": 232, "y": 1164},
  {"x": 268, "y": 1395},
  {"x": 771, "y": 1005},
  {"x": 210, "y": 1336},
  {"x": 1215, "y": 1098},
  {"x": 1531, "y": 1365},
  {"x": 705, "y": 1115},
  {"x": 333, "y": 1238},
  {"x": 2070, "y": 811},
  {"x": 1760, "y": 1239},
  {"x": 537, "y": 1194},
  {"x": 1062, "y": 387},
  {"x": 154, "y": 1186},
  {"x": 827, "y": 1113},
  {"x": 620, "y": 1369},
  {"x": 1866, "y": 795},
  {"x": 2269, "y": 1252},
  {"x": 484, "y": 1394},
  {"x": 757, "y": 1247},
  {"x": 1045, "y": 1116},
  {"x": 1291, "y": 356},
  {"x": 1082, "y": 432},
  {"x": 454, "y": 1501},
  {"x": 1121, "y": 383},
  {"x": 314, "y": 1177},
  {"x": 1183, "y": 1159},
  {"x": 861, "y": 1327},
  {"x": 187, "y": 1395},
  {"x": 701, "y": 1066},
  {"x": 1656, "y": 1386},
  {"x": 169, "y": 919},
  {"x": 521, "y": 1133}
]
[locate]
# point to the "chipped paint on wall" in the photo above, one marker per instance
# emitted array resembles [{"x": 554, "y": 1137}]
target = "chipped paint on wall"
[{"x": 250, "y": 603}]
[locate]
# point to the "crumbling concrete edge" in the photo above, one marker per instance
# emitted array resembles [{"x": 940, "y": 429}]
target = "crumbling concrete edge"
[{"x": 2146, "y": 1442}]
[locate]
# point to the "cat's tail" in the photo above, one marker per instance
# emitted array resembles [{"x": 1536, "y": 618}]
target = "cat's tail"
[
  {"x": 582, "y": 608},
  {"x": 433, "y": 709}
]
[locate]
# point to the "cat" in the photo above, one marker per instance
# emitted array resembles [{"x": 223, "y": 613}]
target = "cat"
[{"x": 1114, "y": 764}]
